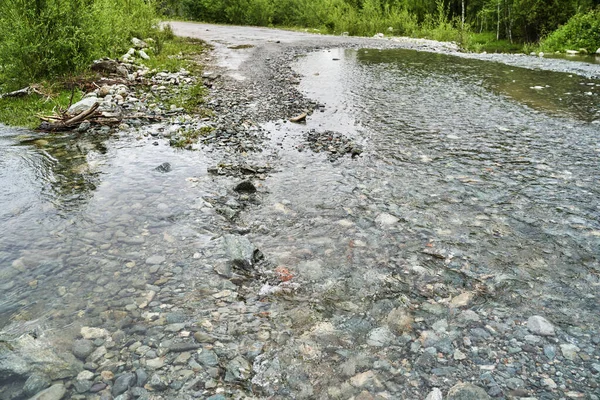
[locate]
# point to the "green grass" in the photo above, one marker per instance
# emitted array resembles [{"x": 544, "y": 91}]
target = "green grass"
[
  {"x": 175, "y": 53},
  {"x": 24, "y": 111}
]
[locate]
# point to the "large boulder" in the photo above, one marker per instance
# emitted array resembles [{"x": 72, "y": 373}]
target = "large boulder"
[{"x": 24, "y": 356}]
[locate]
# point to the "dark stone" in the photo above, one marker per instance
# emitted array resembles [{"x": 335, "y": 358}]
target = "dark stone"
[
  {"x": 142, "y": 377},
  {"x": 35, "y": 384},
  {"x": 164, "y": 167},
  {"x": 98, "y": 387},
  {"x": 122, "y": 383},
  {"x": 82, "y": 348},
  {"x": 245, "y": 187}
]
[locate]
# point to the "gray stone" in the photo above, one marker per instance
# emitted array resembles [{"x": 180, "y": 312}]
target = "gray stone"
[
  {"x": 158, "y": 382},
  {"x": 466, "y": 391},
  {"x": 82, "y": 348},
  {"x": 35, "y": 384},
  {"x": 123, "y": 383},
  {"x": 596, "y": 368},
  {"x": 515, "y": 383},
  {"x": 385, "y": 219},
  {"x": 82, "y": 386},
  {"x": 540, "y": 326},
  {"x": 155, "y": 260},
  {"x": 164, "y": 167},
  {"x": 241, "y": 252},
  {"x": 143, "y": 55},
  {"x": 142, "y": 377},
  {"x": 82, "y": 105},
  {"x": 208, "y": 358},
  {"x": 550, "y": 351},
  {"x": 54, "y": 392},
  {"x": 569, "y": 351},
  {"x": 91, "y": 333},
  {"x": 379, "y": 337},
  {"x": 435, "y": 394},
  {"x": 238, "y": 369},
  {"x": 26, "y": 355}
]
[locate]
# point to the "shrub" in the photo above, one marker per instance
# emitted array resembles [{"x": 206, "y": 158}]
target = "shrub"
[
  {"x": 47, "y": 38},
  {"x": 581, "y": 32}
]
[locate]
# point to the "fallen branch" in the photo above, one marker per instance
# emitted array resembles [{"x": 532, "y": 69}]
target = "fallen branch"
[
  {"x": 21, "y": 92},
  {"x": 67, "y": 124},
  {"x": 299, "y": 118}
]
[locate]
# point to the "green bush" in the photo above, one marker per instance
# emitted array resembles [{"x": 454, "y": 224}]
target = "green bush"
[
  {"x": 581, "y": 32},
  {"x": 48, "y": 38}
]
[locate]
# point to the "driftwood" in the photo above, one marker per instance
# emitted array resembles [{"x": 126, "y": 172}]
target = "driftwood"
[
  {"x": 299, "y": 118},
  {"x": 64, "y": 123},
  {"x": 21, "y": 92}
]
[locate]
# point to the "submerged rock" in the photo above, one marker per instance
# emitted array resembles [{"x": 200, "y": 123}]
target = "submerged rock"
[
  {"x": 55, "y": 392},
  {"x": 540, "y": 326},
  {"x": 241, "y": 252}
]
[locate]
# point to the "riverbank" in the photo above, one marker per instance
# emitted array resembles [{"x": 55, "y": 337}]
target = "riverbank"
[{"x": 255, "y": 268}]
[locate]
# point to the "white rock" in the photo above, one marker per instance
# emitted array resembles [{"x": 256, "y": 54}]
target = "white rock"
[
  {"x": 155, "y": 363},
  {"x": 138, "y": 43},
  {"x": 83, "y": 105},
  {"x": 385, "y": 219},
  {"x": 85, "y": 376},
  {"x": 572, "y": 52},
  {"x": 549, "y": 383},
  {"x": 380, "y": 337},
  {"x": 143, "y": 55},
  {"x": 93, "y": 333},
  {"x": 598, "y": 51},
  {"x": 540, "y": 326},
  {"x": 435, "y": 394},
  {"x": 360, "y": 380},
  {"x": 463, "y": 299},
  {"x": 459, "y": 355}
]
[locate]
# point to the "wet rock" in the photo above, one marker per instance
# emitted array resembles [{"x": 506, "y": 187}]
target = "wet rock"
[
  {"x": 158, "y": 383},
  {"x": 90, "y": 333},
  {"x": 241, "y": 252},
  {"x": 540, "y": 326},
  {"x": 35, "y": 384},
  {"x": 245, "y": 187},
  {"x": 238, "y": 369},
  {"x": 82, "y": 386},
  {"x": 155, "y": 260},
  {"x": 82, "y": 348},
  {"x": 164, "y": 167},
  {"x": 466, "y": 391},
  {"x": 123, "y": 383},
  {"x": 26, "y": 355},
  {"x": 54, "y": 392}
]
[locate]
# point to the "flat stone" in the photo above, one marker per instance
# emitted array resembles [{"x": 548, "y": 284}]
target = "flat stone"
[
  {"x": 155, "y": 260},
  {"x": 539, "y": 325},
  {"x": 240, "y": 250},
  {"x": 35, "y": 384},
  {"x": 459, "y": 355},
  {"x": 466, "y": 391},
  {"x": 54, "y": 392},
  {"x": 93, "y": 333},
  {"x": 85, "y": 376},
  {"x": 379, "y": 337},
  {"x": 238, "y": 369},
  {"x": 385, "y": 219},
  {"x": 569, "y": 351},
  {"x": 549, "y": 383},
  {"x": 462, "y": 300},
  {"x": 362, "y": 379},
  {"x": 155, "y": 363}
]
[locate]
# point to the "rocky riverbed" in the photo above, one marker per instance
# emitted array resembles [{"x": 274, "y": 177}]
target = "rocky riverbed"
[{"x": 270, "y": 259}]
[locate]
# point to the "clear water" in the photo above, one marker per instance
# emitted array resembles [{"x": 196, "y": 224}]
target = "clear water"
[{"x": 495, "y": 168}]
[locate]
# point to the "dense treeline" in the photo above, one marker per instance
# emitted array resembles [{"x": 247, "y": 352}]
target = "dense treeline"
[{"x": 514, "y": 20}]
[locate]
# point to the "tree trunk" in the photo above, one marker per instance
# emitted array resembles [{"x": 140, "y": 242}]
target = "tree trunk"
[{"x": 498, "y": 26}]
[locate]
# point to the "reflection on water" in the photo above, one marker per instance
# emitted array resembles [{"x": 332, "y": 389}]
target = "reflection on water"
[{"x": 493, "y": 169}]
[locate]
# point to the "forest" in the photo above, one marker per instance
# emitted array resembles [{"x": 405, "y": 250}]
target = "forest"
[{"x": 41, "y": 39}]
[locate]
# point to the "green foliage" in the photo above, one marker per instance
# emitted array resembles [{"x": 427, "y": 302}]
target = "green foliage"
[
  {"x": 24, "y": 111},
  {"x": 188, "y": 137},
  {"x": 581, "y": 32},
  {"x": 48, "y": 38}
]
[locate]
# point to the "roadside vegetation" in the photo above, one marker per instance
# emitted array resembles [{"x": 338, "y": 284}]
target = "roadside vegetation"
[
  {"x": 48, "y": 46},
  {"x": 477, "y": 25}
]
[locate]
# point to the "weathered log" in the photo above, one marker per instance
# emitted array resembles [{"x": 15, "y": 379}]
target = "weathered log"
[
  {"x": 18, "y": 93},
  {"x": 70, "y": 123}
]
